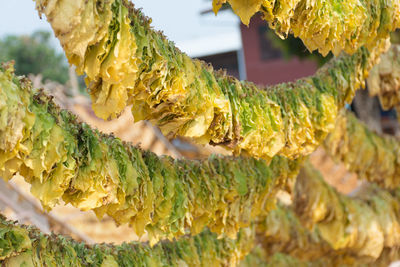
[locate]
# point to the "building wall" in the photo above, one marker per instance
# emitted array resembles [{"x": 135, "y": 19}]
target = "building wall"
[
  {"x": 227, "y": 61},
  {"x": 271, "y": 68}
]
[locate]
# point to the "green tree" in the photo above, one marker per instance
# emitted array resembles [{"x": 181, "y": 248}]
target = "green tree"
[{"x": 35, "y": 54}]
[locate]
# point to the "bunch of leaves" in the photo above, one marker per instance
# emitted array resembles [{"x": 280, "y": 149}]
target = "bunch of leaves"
[
  {"x": 371, "y": 156},
  {"x": 64, "y": 159},
  {"x": 384, "y": 79},
  {"x": 326, "y": 26},
  {"x": 127, "y": 62},
  {"x": 27, "y": 246},
  {"x": 362, "y": 227}
]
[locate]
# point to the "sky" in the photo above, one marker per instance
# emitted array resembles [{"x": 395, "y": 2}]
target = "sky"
[{"x": 180, "y": 20}]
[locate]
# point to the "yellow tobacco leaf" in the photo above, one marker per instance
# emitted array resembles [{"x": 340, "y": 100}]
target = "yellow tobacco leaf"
[
  {"x": 245, "y": 9},
  {"x": 217, "y": 4}
]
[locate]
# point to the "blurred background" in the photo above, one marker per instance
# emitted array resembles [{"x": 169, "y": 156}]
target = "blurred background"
[{"x": 253, "y": 53}]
